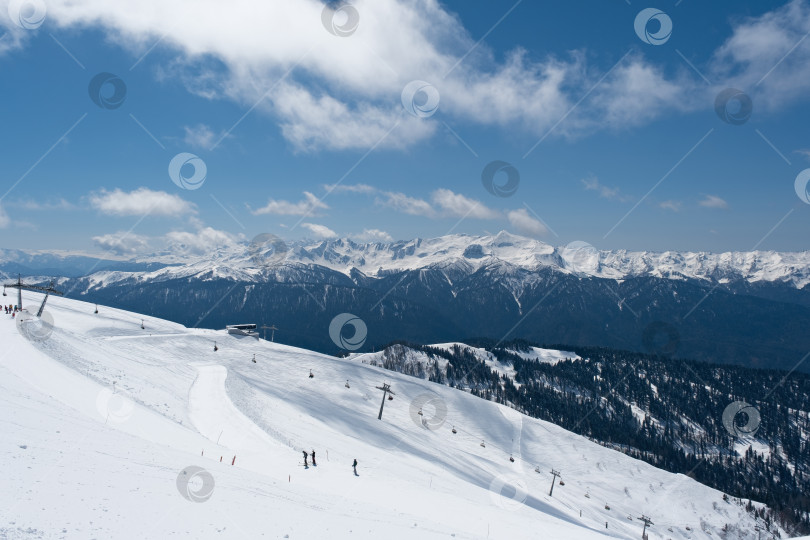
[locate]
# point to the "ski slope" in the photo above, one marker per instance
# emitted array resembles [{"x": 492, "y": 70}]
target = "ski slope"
[{"x": 101, "y": 418}]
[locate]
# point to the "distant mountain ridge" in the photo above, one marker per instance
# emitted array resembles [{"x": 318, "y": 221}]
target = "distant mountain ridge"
[
  {"x": 745, "y": 308},
  {"x": 465, "y": 252}
]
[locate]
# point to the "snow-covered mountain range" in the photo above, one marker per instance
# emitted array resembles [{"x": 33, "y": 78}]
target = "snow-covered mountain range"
[
  {"x": 747, "y": 308},
  {"x": 250, "y": 261}
]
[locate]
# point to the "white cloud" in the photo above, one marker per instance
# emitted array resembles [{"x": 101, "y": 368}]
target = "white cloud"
[
  {"x": 713, "y": 201},
  {"x": 457, "y": 205},
  {"x": 308, "y": 206},
  {"x": 204, "y": 240},
  {"x": 373, "y": 235},
  {"x": 405, "y": 204},
  {"x": 344, "y": 93},
  {"x": 122, "y": 243},
  {"x": 804, "y": 152},
  {"x": 769, "y": 56},
  {"x": 320, "y": 231},
  {"x": 140, "y": 202},
  {"x": 593, "y": 184},
  {"x": 526, "y": 224},
  {"x": 675, "y": 206},
  {"x": 312, "y": 122},
  {"x": 350, "y": 188},
  {"x": 201, "y": 136},
  {"x": 31, "y": 204},
  {"x": 5, "y": 221}
]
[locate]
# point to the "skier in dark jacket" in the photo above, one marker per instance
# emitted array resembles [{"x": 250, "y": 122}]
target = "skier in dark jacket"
[
  {"x": 313, "y": 459},
  {"x": 305, "y": 459},
  {"x": 354, "y": 466}
]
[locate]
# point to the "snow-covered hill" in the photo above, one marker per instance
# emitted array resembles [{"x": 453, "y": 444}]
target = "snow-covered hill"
[{"x": 114, "y": 431}]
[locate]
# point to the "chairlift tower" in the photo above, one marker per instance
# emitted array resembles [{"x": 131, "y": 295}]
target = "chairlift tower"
[
  {"x": 20, "y": 286},
  {"x": 272, "y": 329},
  {"x": 647, "y": 522},
  {"x": 386, "y": 388},
  {"x": 555, "y": 473}
]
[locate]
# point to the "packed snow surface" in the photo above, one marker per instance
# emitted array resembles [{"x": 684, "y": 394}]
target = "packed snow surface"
[{"x": 114, "y": 431}]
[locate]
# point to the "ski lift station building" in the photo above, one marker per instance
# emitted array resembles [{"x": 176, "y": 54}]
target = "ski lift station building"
[{"x": 242, "y": 329}]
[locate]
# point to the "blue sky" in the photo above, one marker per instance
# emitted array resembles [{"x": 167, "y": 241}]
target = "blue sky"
[{"x": 303, "y": 133}]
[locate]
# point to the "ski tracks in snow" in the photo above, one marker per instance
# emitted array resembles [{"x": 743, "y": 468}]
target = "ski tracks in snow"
[{"x": 215, "y": 416}]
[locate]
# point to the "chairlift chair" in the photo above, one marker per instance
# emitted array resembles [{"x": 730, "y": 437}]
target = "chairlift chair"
[
  {"x": 347, "y": 384},
  {"x": 390, "y": 397},
  {"x": 454, "y": 430},
  {"x": 511, "y": 459},
  {"x": 483, "y": 445}
]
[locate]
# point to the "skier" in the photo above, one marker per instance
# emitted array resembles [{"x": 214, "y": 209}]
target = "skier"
[
  {"x": 354, "y": 466},
  {"x": 310, "y": 374},
  {"x": 306, "y": 465},
  {"x": 313, "y": 459}
]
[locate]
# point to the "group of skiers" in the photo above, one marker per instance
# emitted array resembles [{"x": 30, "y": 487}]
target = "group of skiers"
[
  {"x": 315, "y": 464},
  {"x": 313, "y": 459},
  {"x": 11, "y": 309}
]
